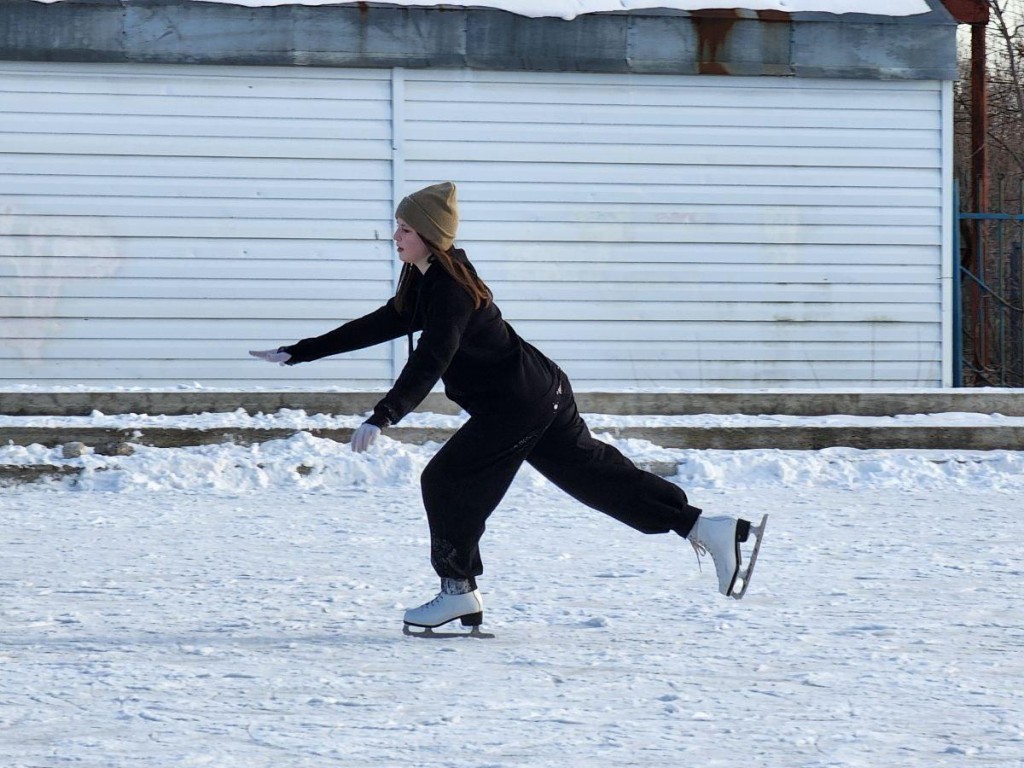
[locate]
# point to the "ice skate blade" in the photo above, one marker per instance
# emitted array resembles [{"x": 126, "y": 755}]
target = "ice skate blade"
[
  {"x": 744, "y": 577},
  {"x": 429, "y": 633}
]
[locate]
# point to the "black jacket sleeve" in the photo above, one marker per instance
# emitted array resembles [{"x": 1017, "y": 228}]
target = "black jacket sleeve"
[
  {"x": 381, "y": 325},
  {"x": 447, "y": 308}
]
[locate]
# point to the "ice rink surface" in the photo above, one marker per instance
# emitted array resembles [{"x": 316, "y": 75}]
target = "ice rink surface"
[{"x": 166, "y": 612}]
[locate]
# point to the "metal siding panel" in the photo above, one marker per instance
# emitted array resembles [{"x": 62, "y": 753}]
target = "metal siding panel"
[
  {"x": 133, "y": 309},
  {"x": 699, "y": 231},
  {"x": 783, "y": 230},
  {"x": 160, "y": 221},
  {"x": 812, "y": 374},
  {"x": 746, "y": 330},
  {"x": 711, "y": 255},
  {"x": 561, "y": 151},
  {"x": 690, "y": 118},
  {"x": 647, "y": 231},
  {"x": 678, "y": 273},
  {"x": 924, "y": 180},
  {"x": 869, "y": 313}
]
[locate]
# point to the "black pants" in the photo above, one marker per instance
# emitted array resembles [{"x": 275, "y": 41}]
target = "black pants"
[{"x": 467, "y": 478}]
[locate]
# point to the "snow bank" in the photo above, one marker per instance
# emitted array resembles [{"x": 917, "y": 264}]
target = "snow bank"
[{"x": 308, "y": 464}]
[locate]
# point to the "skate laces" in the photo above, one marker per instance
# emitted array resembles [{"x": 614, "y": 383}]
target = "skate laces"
[
  {"x": 701, "y": 551},
  {"x": 437, "y": 599},
  {"x": 700, "y": 547}
]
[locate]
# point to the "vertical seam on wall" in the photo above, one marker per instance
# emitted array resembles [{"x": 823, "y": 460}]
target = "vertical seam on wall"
[{"x": 397, "y": 185}]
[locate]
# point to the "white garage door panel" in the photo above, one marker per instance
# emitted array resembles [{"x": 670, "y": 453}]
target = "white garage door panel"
[
  {"x": 694, "y": 352},
  {"x": 160, "y": 309},
  {"x": 194, "y": 146},
  {"x": 340, "y": 192},
  {"x": 248, "y": 225},
  {"x": 239, "y": 332},
  {"x": 193, "y": 126},
  {"x": 156, "y": 222},
  {"x": 155, "y": 269},
  {"x": 926, "y": 180},
  {"x": 580, "y": 333},
  {"x": 778, "y": 195},
  {"x": 113, "y": 206},
  {"x": 690, "y": 214},
  {"x": 191, "y": 249},
  {"x": 151, "y": 216},
  {"x": 789, "y": 230},
  {"x": 676, "y": 205},
  {"x": 560, "y": 90},
  {"x": 151, "y": 372},
  {"x": 229, "y": 289},
  {"x": 671, "y": 135},
  {"x": 675, "y": 273},
  {"x": 718, "y": 291},
  {"x": 216, "y": 169},
  {"x": 813, "y": 373},
  {"x": 555, "y": 151},
  {"x": 580, "y": 255},
  {"x": 689, "y": 117},
  {"x": 721, "y": 311}
]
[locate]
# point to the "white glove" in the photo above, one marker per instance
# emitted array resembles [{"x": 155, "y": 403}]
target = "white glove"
[
  {"x": 364, "y": 437},
  {"x": 271, "y": 355}
]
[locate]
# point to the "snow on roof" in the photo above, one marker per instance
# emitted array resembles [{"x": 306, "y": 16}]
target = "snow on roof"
[{"x": 570, "y": 9}]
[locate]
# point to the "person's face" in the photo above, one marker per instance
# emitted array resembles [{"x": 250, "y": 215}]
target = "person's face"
[{"x": 410, "y": 246}]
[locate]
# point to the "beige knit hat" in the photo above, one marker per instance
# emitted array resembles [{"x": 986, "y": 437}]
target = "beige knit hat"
[{"x": 433, "y": 212}]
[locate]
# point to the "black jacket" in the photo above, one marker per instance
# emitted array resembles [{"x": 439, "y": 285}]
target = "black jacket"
[{"x": 486, "y": 368}]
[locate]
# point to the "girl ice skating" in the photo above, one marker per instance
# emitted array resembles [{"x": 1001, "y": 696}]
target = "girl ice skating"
[{"x": 521, "y": 408}]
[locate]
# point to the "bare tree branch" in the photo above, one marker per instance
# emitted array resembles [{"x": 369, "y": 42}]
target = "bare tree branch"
[{"x": 1008, "y": 39}]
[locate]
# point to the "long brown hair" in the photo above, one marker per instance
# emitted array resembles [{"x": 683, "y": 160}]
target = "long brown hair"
[{"x": 454, "y": 262}]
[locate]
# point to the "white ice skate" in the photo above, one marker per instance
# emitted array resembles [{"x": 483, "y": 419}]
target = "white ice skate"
[
  {"x": 721, "y": 537},
  {"x": 447, "y": 607}
]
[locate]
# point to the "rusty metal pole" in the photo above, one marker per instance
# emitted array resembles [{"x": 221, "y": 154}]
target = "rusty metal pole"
[
  {"x": 979, "y": 117},
  {"x": 976, "y": 13},
  {"x": 979, "y": 181}
]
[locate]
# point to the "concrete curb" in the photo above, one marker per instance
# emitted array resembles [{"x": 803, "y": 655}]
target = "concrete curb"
[
  {"x": 816, "y": 438},
  {"x": 802, "y": 438},
  {"x": 1009, "y": 402}
]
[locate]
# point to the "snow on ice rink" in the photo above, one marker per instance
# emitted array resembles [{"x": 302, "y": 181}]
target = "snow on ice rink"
[{"x": 214, "y": 607}]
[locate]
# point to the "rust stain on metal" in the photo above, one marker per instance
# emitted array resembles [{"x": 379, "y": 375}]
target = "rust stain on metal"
[
  {"x": 713, "y": 30},
  {"x": 715, "y": 13},
  {"x": 774, "y": 16},
  {"x": 968, "y": 11}
]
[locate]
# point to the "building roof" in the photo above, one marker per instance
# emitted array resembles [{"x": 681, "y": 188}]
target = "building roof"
[
  {"x": 902, "y": 44},
  {"x": 570, "y": 9}
]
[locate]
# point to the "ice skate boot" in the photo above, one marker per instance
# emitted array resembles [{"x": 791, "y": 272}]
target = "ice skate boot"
[
  {"x": 721, "y": 537},
  {"x": 456, "y": 600}
]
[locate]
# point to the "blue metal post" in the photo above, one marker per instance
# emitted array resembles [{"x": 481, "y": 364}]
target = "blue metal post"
[{"x": 958, "y": 308}]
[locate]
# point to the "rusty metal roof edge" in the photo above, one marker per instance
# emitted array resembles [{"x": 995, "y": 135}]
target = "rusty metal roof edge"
[
  {"x": 382, "y": 35},
  {"x": 938, "y": 14}
]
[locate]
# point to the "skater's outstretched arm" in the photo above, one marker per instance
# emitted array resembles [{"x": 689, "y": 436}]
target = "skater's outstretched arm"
[{"x": 381, "y": 325}]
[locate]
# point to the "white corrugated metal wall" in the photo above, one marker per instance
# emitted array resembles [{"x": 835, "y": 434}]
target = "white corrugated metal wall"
[
  {"x": 157, "y": 221},
  {"x": 645, "y": 231}
]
